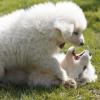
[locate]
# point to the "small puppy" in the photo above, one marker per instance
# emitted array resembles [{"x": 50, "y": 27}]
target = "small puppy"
[{"x": 78, "y": 67}]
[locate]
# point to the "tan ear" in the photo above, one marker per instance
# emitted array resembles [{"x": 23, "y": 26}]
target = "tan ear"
[{"x": 66, "y": 29}]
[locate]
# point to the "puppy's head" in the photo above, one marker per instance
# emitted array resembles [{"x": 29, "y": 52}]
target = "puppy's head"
[
  {"x": 72, "y": 24},
  {"x": 78, "y": 62},
  {"x": 84, "y": 57}
]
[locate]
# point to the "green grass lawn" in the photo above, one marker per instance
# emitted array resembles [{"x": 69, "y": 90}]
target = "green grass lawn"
[{"x": 92, "y": 38}]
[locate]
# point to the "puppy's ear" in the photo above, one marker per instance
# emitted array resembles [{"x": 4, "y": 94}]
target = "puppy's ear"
[{"x": 66, "y": 29}]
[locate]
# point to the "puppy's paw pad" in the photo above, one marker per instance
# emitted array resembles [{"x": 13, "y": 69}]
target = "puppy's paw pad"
[{"x": 71, "y": 83}]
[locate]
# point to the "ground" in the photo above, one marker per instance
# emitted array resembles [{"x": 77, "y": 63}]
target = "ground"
[{"x": 92, "y": 37}]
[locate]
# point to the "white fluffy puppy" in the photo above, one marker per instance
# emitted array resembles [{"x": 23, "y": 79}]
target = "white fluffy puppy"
[
  {"x": 78, "y": 66},
  {"x": 29, "y": 38}
]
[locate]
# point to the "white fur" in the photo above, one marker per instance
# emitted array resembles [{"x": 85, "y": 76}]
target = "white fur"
[
  {"x": 75, "y": 67},
  {"x": 89, "y": 74},
  {"x": 29, "y": 38}
]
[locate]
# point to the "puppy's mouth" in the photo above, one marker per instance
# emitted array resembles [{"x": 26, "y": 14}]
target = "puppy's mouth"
[
  {"x": 77, "y": 56},
  {"x": 62, "y": 45}
]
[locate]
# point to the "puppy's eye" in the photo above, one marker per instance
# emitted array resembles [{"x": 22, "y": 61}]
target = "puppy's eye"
[
  {"x": 76, "y": 33},
  {"x": 84, "y": 68}
]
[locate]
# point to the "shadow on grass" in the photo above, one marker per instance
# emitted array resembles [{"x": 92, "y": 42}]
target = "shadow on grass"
[{"x": 13, "y": 90}]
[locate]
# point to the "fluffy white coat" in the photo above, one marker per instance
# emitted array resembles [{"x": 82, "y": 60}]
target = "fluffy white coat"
[{"x": 29, "y": 38}]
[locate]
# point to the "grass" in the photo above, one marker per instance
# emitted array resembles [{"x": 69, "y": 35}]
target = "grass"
[{"x": 92, "y": 36}]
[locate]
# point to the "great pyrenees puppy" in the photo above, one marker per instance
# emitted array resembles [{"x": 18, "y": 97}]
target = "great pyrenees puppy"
[
  {"x": 29, "y": 38},
  {"x": 78, "y": 66}
]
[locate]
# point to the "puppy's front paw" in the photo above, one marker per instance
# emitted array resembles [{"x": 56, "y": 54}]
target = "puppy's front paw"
[{"x": 70, "y": 83}]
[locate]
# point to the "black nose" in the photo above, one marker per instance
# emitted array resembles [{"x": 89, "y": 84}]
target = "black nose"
[
  {"x": 90, "y": 53},
  {"x": 81, "y": 44}
]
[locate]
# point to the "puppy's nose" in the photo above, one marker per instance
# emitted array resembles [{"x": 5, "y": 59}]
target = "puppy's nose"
[
  {"x": 81, "y": 44},
  {"x": 90, "y": 53}
]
